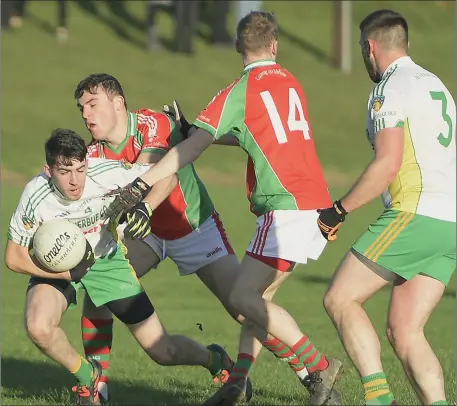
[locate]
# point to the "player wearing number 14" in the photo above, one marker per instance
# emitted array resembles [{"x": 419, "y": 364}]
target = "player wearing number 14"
[{"x": 264, "y": 111}]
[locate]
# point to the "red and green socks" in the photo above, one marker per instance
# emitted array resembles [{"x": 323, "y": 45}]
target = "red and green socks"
[
  {"x": 309, "y": 356},
  {"x": 97, "y": 340},
  {"x": 284, "y": 353},
  {"x": 242, "y": 368},
  {"x": 377, "y": 391}
]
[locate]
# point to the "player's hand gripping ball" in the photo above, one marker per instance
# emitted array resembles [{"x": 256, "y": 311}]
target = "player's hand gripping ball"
[
  {"x": 330, "y": 220},
  {"x": 176, "y": 114},
  {"x": 59, "y": 246},
  {"x": 126, "y": 198}
]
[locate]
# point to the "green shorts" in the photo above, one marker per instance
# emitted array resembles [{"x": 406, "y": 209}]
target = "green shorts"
[
  {"x": 410, "y": 244},
  {"x": 110, "y": 278}
]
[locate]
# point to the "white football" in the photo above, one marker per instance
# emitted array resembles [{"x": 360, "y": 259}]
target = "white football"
[{"x": 59, "y": 245}]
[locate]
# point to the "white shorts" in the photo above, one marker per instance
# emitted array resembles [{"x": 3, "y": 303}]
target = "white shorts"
[
  {"x": 195, "y": 250},
  {"x": 289, "y": 235}
]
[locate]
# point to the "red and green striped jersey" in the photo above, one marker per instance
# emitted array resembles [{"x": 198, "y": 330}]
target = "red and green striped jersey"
[
  {"x": 189, "y": 204},
  {"x": 266, "y": 110}
]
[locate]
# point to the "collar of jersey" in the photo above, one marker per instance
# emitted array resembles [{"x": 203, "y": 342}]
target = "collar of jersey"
[
  {"x": 399, "y": 61},
  {"x": 131, "y": 131},
  {"x": 56, "y": 191},
  {"x": 256, "y": 64}
]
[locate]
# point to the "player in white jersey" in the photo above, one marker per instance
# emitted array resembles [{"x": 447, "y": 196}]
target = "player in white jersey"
[
  {"x": 411, "y": 126},
  {"x": 76, "y": 188}
]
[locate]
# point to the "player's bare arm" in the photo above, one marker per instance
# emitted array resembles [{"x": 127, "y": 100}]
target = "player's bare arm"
[
  {"x": 179, "y": 156},
  {"x": 373, "y": 181},
  {"x": 164, "y": 187},
  {"x": 226, "y": 139},
  {"x": 380, "y": 173},
  {"x": 17, "y": 258}
]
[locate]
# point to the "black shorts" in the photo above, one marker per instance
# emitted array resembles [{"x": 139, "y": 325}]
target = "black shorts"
[
  {"x": 141, "y": 256},
  {"x": 63, "y": 286}
]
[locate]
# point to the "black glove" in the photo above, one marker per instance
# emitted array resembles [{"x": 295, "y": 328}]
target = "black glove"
[
  {"x": 127, "y": 197},
  {"x": 176, "y": 114},
  {"x": 330, "y": 220},
  {"x": 138, "y": 221},
  {"x": 78, "y": 272}
]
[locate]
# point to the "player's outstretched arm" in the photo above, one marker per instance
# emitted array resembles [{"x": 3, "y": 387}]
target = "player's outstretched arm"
[
  {"x": 163, "y": 187},
  {"x": 227, "y": 139},
  {"x": 179, "y": 156},
  {"x": 381, "y": 172},
  {"x": 17, "y": 258}
]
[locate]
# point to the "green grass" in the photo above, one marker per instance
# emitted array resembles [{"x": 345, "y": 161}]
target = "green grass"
[{"x": 38, "y": 78}]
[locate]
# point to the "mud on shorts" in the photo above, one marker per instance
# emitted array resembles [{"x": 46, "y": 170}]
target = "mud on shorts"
[
  {"x": 201, "y": 247},
  {"x": 409, "y": 244},
  {"x": 286, "y": 237},
  {"x": 110, "y": 278}
]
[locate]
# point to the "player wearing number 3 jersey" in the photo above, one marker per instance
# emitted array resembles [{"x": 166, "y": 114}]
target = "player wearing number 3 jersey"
[
  {"x": 265, "y": 112},
  {"x": 411, "y": 126}
]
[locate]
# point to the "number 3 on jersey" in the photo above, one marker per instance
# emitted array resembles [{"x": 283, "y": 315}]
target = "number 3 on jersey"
[{"x": 294, "y": 125}]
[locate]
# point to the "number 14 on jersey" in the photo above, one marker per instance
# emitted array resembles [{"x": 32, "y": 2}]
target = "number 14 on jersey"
[{"x": 293, "y": 124}]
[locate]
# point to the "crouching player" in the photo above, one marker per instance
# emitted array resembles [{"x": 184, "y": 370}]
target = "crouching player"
[{"x": 76, "y": 188}]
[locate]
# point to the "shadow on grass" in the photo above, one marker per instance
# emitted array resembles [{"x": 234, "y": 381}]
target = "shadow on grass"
[
  {"x": 42, "y": 380},
  {"x": 306, "y": 46},
  {"x": 120, "y": 21}
]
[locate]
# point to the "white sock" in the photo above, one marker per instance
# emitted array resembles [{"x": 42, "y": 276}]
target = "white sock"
[
  {"x": 302, "y": 374},
  {"x": 103, "y": 390}
]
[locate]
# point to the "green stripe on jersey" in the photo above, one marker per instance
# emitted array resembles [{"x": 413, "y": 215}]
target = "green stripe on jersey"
[
  {"x": 36, "y": 202},
  {"x": 234, "y": 110},
  {"x": 269, "y": 193},
  {"x": 102, "y": 167},
  {"x": 36, "y": 195}
]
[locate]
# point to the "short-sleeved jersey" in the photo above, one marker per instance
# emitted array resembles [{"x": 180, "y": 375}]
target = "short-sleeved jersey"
[
  {"x": 189, "y": 204},
  {"x": 266, "y": 110},
  {"x": 41, "y": 201},
  {"x": 415, "y": 99}
]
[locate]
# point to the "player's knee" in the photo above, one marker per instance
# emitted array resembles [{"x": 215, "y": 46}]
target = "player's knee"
[
  {"x": 133, "y": 309},
  {"x": 39, "y": 330},
  {"x": 244, "y": 302},
  {"x": 402, "y": 339},
  {"x": 334, "y": 304}
]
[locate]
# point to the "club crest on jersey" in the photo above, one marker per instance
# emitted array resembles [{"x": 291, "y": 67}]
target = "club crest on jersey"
[
  {"x": 28, "y": 224},
  {"x": 377, "y": 103},
  {"x": 126, "y": 165}
]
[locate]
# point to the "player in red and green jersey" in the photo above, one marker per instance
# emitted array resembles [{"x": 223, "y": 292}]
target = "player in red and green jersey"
[
  {"x": 144, "y": 136},
  {"x": 265, "y": 112}
]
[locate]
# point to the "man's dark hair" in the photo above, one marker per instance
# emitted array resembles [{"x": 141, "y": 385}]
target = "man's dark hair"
[
  {"x": 386, "y": 26},
  {"x": 63, "y": 147},
  {"x": 108, "y": 83}
]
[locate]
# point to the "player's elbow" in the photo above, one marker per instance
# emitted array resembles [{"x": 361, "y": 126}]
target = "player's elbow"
[
  {"x": 392, "y": 169},
  {"x": 11, "y": 260},
  {"x": 389, "y": 167},
  {"x": 173, "y": 181},
  {"x": 13, "y": 257}
]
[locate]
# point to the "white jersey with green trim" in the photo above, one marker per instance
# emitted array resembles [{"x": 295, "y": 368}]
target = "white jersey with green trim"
[
  {"x": 415, "y": 99},
  {"x": 41, "y": 201}
]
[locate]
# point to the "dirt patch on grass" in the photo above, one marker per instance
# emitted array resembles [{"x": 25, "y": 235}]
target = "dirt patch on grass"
[{"x": 11, "y": 177}]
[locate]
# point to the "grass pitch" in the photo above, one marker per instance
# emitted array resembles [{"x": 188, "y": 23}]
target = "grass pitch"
[{"x": 38, "y": 80}]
